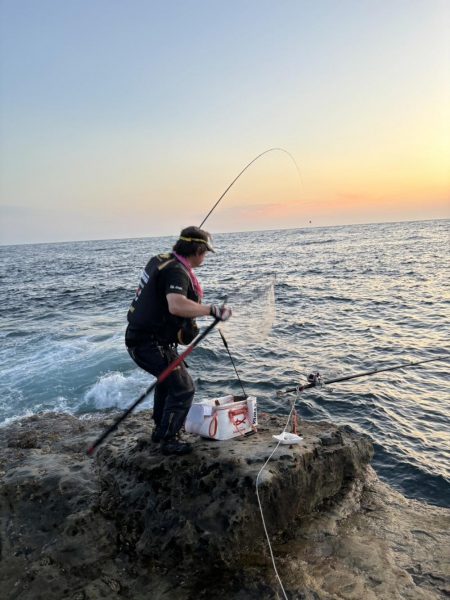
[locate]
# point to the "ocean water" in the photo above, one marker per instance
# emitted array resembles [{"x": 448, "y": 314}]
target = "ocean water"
[{"x": 337, "y": 300}]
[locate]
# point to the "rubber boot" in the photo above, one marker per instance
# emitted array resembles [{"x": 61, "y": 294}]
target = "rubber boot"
[
  {"x": 159, "y": 400},
  {"x": 170, "y": 443},
  {"x": 157, "y": 434}
]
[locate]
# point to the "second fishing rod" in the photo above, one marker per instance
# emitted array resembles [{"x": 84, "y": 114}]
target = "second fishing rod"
[{"x": 315, "y": 379}]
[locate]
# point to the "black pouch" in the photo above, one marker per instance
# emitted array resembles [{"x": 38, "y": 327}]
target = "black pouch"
[{"x": 188, "y": 332}]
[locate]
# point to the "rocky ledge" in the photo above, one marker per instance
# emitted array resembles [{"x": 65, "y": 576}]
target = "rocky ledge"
[{"x": 130, "y": 523}]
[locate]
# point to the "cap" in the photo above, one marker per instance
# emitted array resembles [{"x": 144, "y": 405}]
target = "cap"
[{"x": 195, "y": 234}]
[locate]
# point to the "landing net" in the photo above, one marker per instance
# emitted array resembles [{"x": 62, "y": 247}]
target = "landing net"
[{"x": 253, "y": 314}]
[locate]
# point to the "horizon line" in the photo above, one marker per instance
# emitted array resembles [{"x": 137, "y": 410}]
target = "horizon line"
[{"x": 140, "y": 237}]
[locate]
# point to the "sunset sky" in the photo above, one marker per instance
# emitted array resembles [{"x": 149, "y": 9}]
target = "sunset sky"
[{"x": 129, "y": 119}]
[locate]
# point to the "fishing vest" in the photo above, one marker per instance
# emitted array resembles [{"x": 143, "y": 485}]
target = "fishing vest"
[{"x": 149, "y": 313}]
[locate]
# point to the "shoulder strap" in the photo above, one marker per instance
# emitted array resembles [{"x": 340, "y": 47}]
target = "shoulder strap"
[
  {"x": 171, "y": 260},
  {"x": 166, "y": 259}
]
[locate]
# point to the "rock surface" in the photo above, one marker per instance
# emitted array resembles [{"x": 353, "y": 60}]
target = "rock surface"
[{"x": 130, "y": 523}]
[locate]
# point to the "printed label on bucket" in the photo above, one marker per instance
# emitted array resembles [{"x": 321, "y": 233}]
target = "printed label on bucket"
[{"x": 222, "y": 418}]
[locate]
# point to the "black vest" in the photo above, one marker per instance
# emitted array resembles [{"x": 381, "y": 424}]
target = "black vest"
[{"x": 148, "y": 315}]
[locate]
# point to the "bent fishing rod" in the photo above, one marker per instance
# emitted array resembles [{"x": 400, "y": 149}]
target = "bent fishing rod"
[
  {"x": 243, "y": 171},
  {"x": 315, "y": 380},
  {"x": 162, "y": 377}
]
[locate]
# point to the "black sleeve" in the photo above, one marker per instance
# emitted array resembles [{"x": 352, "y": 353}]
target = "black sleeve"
[{"x": 175, "y": 281}]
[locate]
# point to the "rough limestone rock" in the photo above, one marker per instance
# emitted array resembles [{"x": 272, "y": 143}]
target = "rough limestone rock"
[{"x": 130, "y": 523}]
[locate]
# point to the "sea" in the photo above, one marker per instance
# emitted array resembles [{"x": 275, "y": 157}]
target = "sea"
[{"x": 334, "y": 300}]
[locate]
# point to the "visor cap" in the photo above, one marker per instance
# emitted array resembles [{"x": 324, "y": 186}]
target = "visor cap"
[{"x": 197, "y": 236}]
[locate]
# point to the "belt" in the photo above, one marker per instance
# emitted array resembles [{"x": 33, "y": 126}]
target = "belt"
[{"x": 136, "y": 337}]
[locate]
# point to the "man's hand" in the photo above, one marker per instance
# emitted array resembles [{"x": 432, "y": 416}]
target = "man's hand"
[{"x": 222, "y": 313}]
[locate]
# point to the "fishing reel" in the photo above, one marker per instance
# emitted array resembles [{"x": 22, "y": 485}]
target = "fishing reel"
[{"x": 315, "y": 379}]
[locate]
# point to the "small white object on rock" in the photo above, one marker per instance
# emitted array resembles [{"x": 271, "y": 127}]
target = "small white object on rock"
[{"x": 288, "y": 438}]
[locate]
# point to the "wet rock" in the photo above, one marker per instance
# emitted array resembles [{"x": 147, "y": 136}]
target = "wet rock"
[
  {"x": 130, "y": 523},
  {"x": 329, "y": 438}
]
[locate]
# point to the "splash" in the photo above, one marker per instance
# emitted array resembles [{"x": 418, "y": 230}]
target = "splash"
[{"x": 116, "y": 390}]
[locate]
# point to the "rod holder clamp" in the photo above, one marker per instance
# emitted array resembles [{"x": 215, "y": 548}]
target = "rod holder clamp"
[{"x": 315, "y": 379}]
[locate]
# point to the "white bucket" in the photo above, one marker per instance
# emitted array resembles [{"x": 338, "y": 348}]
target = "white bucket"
[{"x": 222, "y": 418}]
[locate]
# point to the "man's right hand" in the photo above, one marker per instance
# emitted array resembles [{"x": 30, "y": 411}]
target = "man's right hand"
[{"x": 222, "y": 313}]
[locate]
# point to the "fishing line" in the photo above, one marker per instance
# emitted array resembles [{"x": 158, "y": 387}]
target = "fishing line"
[
  {"x": 232, "y": 362},
  {"x": 243, "y": 171},
  {"x": 260, "y": 505}
]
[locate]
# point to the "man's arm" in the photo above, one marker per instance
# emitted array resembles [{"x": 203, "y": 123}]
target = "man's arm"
[{"x": 180, "y": 306}]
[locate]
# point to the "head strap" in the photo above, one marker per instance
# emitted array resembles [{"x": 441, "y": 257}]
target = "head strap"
[
  {"x": 190, "y": 239},
  {"x": 207, "y": 242}
]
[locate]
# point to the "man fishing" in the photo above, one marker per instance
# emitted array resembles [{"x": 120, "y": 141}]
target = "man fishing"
[{"x": 161, "y": 316}]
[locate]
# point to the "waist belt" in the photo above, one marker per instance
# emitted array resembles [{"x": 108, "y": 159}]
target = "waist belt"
[{"x": 135, "y": 337}]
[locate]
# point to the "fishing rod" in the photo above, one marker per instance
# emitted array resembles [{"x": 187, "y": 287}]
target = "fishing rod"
[
  {"x": 315, "y": 380},
  {"x": 232, "y": 362},
  {"x": 244, "y": 169},
  {"x": 162, "y": 377}
]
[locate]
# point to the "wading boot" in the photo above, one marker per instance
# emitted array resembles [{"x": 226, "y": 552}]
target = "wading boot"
[
  {"x": 157, "y": 434},
  {"x": 172, "y": 423},
  {"x": 175, "y": 446}
]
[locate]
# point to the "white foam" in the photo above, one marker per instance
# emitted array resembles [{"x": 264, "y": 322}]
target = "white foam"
[
  {"x": 60, "y": 406},
  {"x": 116, "y": 390},
  {"x": 9, "y": 420}
]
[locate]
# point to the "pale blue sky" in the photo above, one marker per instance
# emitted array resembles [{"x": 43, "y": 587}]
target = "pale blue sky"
[{"x": 128, "y": 119}]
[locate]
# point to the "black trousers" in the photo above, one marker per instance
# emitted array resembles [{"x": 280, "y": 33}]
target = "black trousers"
[{"x": 175, "y": 394}]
